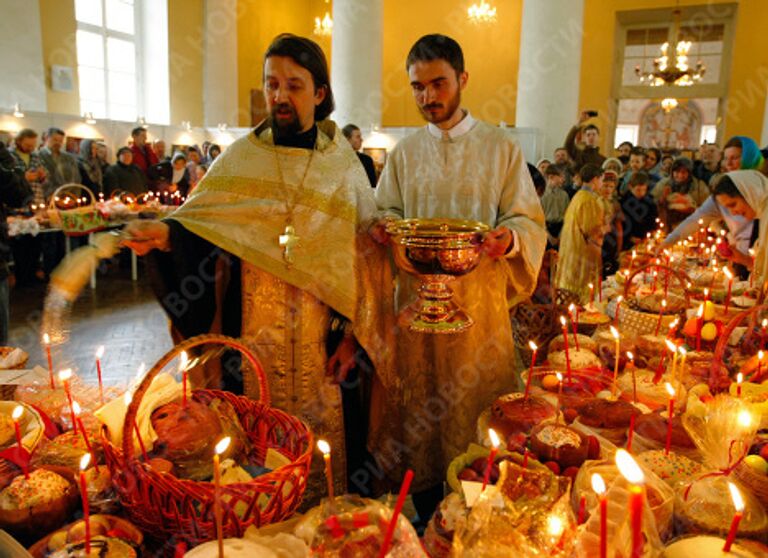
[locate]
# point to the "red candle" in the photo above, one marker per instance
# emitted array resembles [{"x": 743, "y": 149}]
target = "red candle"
[
  {"x": 600, "y": 286},
  {"x": 739, "y": 379},
  {"x": 47, "y": 342},
  {"x": 127, "y": 398},
  {"x": 631, "y": 367},
  {"x": 706, "y": 294},
  {"x": 631, "y": 433},
  {"x": 535, "y": 349},
  {"x": 730, "y": 287},
  {"x": 183, "y": 364},
  {"x": 525, "y": 458},
  {"x": 491, "y": 456},
  {"x": 591, "y": 294},
  {"x": 632, "y": 261},
  {"x": 582, "y": 510},
  {"x": 404, "y": 488},
  {"x": 616, "y": 314},
  {"x": 670, "y": 415},
  {"x": 760, "y": 356},
  {"x": 221, "y": 447},
  {"x": 738, "y": 503},
  {"x": 99, "y": 354},
  {"x": 661, "y": 315},
  {"x": 752, "y": 271},
  {"x": 634, "y": 476},
  {"x": 559, "y": 395},
  {"x": 655, "y": 277},
  {"x": 64, "y": 376},
  {"x": 699, "y": 325},
  {"x": 574, "y": 314},
  {"x": 567, "y": 353},
  {"x": 598, "y": 485},
  {"x": 325, "y": 449},
  {"x": 18, "y": 410},
  {"x": 84, "y": 461},
  {"x": 660, "y": 369},
  {"x": 84, "y": 433}
]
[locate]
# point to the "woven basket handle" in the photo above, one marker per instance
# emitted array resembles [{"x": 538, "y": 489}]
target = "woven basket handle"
[
  {"x": 681, "y": 277},
  {"x": 191, "y": 343},
  {"x": 750, "y": 315},
  {"x": 70, "y": 186}
]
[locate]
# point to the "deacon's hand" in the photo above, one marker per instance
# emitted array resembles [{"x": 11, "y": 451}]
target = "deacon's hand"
[
  {"x": 498, "y": 242},
  {"x": 143, "y": 236},
  {"x": 378, "y": 231},
  {"x": 343, "y": 360}
]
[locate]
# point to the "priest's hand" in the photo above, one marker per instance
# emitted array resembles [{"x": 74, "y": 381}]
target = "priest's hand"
[
  {"x": 378, "y": 231},
  {"x": 144, "y": 236},
  {"x": 498, "y": 242},
  {"x": 343, "y": 360}
]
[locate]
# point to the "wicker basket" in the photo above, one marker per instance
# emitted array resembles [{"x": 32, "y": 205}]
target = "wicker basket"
[
  {"x": 756, "y": 482},
  {"x": 8, "y": 390},
  {"x": 79, "y": 220},
  {"x": 751, "y": 319},
  {"x": 538, "y": 323},
  {"x": 163, "y": 505}
]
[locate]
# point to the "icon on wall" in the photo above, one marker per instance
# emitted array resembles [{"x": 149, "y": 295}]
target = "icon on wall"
[{"x": 62, "y": 78}]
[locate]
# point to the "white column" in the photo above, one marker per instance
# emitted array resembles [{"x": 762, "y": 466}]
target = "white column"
[
  {"x": 356, "y": 51},
  {"x": 550, "y": 65},
  {"x": 21, "y": 64},
  {"x": 220, "y": 63}
]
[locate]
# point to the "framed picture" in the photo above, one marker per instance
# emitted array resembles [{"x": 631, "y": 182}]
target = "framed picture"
[
  {"x": 379, "y": 156},
  {"x": 62, "y": 78}
]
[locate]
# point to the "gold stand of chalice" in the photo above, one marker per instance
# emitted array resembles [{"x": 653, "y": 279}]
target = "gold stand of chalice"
[{"x": 437, "y": 251}]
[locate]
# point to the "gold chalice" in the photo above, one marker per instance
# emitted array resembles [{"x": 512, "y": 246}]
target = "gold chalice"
[{"x": 437, "y": 251}]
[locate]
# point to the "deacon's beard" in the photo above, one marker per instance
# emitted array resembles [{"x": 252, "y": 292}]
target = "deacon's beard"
[
  {"x": 282, "y": 128},
  {"x": 453, "y": 105}
]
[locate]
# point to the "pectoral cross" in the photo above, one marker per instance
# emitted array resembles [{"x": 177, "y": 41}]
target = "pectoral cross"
[{"x": 288, "y": 241}]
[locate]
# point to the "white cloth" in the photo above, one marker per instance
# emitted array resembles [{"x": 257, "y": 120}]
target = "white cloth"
[{"x": 753, "y": 185}]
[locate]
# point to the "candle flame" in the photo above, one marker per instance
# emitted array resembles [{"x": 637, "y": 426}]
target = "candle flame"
[
  {"x": 18, "y": 410},
  {"x": 571, "y": 307},
  {"x": 324, "y": 447},
  {"x": 683, "y": 352},
  {"x": 598, "y": 484},
  {"x": 628, "y": 467},
  {"x": 700, "y": 311},
  {"x": 562, "y": 320},
  {"x": 739, "y": 378},
  {"x": 494, "y": 438},
  {"x": 65, "y": 374},
  {"x": 619, "y": 299},
  {"x": 706, "y": 292},
  {"x": 85, "y": 460},
  {"x": 559, "y": 377},
  {"x": 533, "y": 346},
  {"x": 738, "y": 502},
  {"x": 223, "y": 444},
  {"x": 760, "y": 355},
  {"x": 670, "y": 389},
  {"x": 670, "y": 345},
  {"x": 591, "y": 286},
  {"x": 100, "y": 352},
  {"x": 630, "y": 356},
  {"x": 555, "y": 525},
  {"x": 765, "y": 323},
  {"x": 664, "y": 303},
  {"x": 183, "y": 361},
  {"x": 46, "y": 339},
  {"x": 728, "y": 273},
  {"x": 615, "y": 333},
  {"x": 127, "y": 398},
  {"x": 76, "y": 408},
  {"x": 745, "y": 419},
  {"x": 751, "y": 252}
]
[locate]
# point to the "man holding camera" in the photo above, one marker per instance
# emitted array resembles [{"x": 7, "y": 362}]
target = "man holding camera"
[{"x": 590, "y": 136}]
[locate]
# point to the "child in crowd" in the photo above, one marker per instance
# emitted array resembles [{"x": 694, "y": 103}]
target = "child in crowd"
[
  {"x": 639, "y": 210},
  {"x": 554, "y": 202}
]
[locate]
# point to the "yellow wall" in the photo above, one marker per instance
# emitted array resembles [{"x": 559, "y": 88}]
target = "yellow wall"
[
  {"x": 58, "y": 28},
  {"x": 257, "y": 24},
  {"x": 491, "y": 55},
  {"x": 749, "y": 66},
  {"x": 186, "y": 42}
]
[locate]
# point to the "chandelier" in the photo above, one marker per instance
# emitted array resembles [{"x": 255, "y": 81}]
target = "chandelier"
[
  {"x": 324, "y": 26},
  {"x": 678, "y": 73},
  {"x": 669, "y": 104},
  {"x": 482, "y": 13}
]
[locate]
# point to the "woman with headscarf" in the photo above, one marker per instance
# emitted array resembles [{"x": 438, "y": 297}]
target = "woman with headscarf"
[
  {"x": 745, "y": 193},
  {"x": 680, "y": 194},
  {"x": 90, "y": 166},
  {"x": 180, "y": 179}
]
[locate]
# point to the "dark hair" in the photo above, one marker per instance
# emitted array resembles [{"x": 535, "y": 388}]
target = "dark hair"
[
  {"x": 136, "y": 131},
  {"x": 213, "y": 146},
  {"x": 733, "y": 142},
  {"x": 307, "y": 54},
  {"x": 348, "y": 129},
  {"x": 637, "y": 151},
  {"x": 589, "y": 172},
  {"x": 591, "y": 127},
  {"x": 123, "y": 150},
  {"x": 629, "y": 143},
  {"x": 53, "y": 131},
  {"x": 24, "y": 134},
  {"x": 654, "y": 150},
  {"x": 726, "y": 186},
  {"x": 193, "y": 148},
  {"x": 561, "y": 148},
  {"x": 552, "y": 170},
  {"x": 639, "y": 178},
  {"x": 436, "y": 47}
]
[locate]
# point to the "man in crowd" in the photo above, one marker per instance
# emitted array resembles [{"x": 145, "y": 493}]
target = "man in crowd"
[
  {"x": 355, "y": 139},
  {"x": 708, "y": 163},
  {"x": 143, "y": 156},
  {"x": 276, "y": 240},
  {"x": 590, "y": 135},
  {"x": 124, "y": 176},
  {"x": 636, "y": 164},
  {"x": 457, "y": 167}
]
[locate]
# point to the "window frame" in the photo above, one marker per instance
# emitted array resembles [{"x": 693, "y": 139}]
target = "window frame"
[{"x": 136, "y": 39}]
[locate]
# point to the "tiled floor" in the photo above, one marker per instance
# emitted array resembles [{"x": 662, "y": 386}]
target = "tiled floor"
[{"x": 120, "y": 314}]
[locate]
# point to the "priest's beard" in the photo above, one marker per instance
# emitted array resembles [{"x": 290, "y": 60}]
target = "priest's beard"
[
  {"x": 439, "y": 112},
  {"x": 284, "y": 127}
]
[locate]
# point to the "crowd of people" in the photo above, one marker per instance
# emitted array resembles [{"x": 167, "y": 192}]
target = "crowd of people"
[{"x": 597, "y": 206}]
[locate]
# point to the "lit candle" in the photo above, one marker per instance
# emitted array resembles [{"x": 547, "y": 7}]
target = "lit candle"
[
  {"x": 574, "y": 314},
  {"x": 616, "y": 314},
  {"x": 99, "y": 354},
  {"x": 567, "y": 353},
  {"x": 739, "y": 380},
  {"x": 752, "y": 271},
  {"x": 738, "y": 504},
  {"x": 670, "y": 415},
  {"x": 535, "y": 349},
  {"x": 661, "y": 315},
  {"x": 18, "y": 410},
  {"x": 632, "y": 261},
  {"x": 598, "y": 485},
  {"x": 559, "y": 395},
  {"x": 631, "y": 366},
  {"x": 699, "y": 325},
  {"x": 706, "y": 294},
  {"x": 673, "y": 349},
  {"x": 555, "y": 529},
  {"x": 617, "y": 357},
  {"x": 730, "y": 287},
  {"x": 582, "y": 510},
  {"x": 763, "y": 326},
  {"x": 64, "y": 377},
  {"x": 672, "y": 327},
  {"x": 760, "y": 355},
  {"x": 634, "y": 475},
  {"x": 221, "y": 447},
  {"x": 127, "y": 398},
  {"x": 491, "y": 456},
  {"x": 325, "y": 448},
  {"x": 681, "y": 371},
  {"x": 404, "y": 488},
  {"x": 591, "y": 294},
  {"x": 183, "y": 363},
  {"x": 524, "y": 464},
  {"x": 84, "y": 433},
  {"x": 84, "y": 461},
  {"x": 655, "y": 278},
  {"x": 47, "y": 342},
  {"x": 631, "y": 432}
]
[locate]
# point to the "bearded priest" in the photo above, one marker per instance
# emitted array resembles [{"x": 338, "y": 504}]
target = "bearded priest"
[{"x": 272, "y": 247}]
